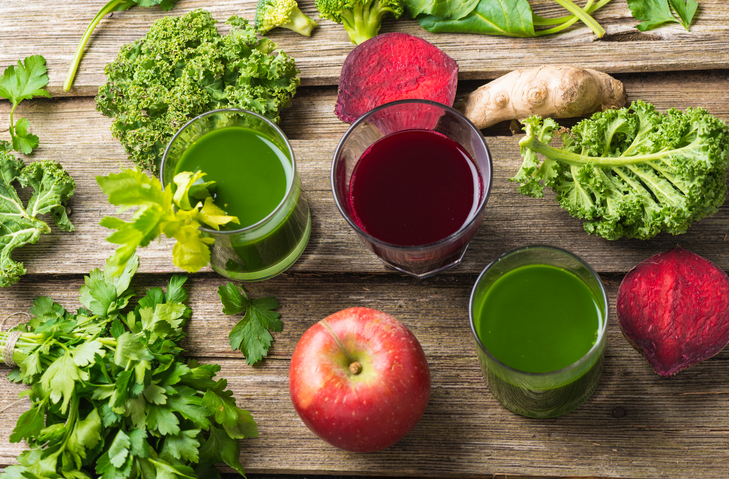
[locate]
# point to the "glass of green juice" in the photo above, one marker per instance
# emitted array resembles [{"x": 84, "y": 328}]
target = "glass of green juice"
[
  {"x": 539, "y": 317},
  {"x": 252, "y": 163}
]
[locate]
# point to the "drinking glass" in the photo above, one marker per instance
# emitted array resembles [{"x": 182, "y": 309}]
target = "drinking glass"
[
  {"x": 547, "y": 394},
  {"x": 270, "y": 246},
  {"x": 420, "y": 260}
]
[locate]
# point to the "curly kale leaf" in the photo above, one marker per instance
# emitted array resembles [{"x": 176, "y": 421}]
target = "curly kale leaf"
[
  {"x": 19, "y": 225},
  {"x": 632, "y": 172},
  {"x": 183, "y": 67}
]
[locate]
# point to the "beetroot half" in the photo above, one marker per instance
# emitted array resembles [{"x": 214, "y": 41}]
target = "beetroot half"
[
  {"x": 394, "y": 66},
  {"x": 674, "y": 308}
]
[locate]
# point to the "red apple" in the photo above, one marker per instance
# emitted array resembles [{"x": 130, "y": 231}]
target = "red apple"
[{"x": 359, "y": 380}]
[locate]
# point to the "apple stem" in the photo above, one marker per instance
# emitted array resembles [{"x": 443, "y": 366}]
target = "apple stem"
[
  {"x": 341, "y": 346},
  {"x": 355, "y": 368}
]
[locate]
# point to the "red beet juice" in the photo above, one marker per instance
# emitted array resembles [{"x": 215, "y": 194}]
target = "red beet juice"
[{"x": 414, "y": 187}]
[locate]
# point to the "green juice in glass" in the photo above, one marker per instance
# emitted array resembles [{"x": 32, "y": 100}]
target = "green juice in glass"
[
  {"x": 256, "y": 182},
  {"x": 538, "y": 325}
]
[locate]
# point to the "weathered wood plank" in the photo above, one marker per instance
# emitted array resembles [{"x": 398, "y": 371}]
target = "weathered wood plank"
[
  {"x": 40, "y": 27},
  {"x": 73, "y": 133},
  {"x": 636, "y": 424}
]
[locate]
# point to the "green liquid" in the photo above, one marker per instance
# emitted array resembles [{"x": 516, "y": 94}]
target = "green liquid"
[
  {"x": 252, "y": 175},
  {"x": 250, "y": 171},
  {"x": 538, "y": 318}
]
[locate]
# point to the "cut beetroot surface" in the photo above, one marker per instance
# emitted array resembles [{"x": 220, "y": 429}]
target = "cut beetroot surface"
[
  {"x": 674, "y": 307},
  {"x": 394, "y": 66}
]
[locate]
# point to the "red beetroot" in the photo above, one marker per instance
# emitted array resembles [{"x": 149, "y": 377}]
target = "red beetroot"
[
  {"x": 394, "y": 66},
  {"x": 674, "y": 307}
]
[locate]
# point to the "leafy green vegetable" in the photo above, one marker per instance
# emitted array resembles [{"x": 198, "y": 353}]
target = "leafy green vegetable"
[
  {"x": 23, "y": 82},
  {"x": 170, "y": 212},
  {"x": 513, "y": 18},
  {"x": 654, "y": 13},
  {"x": 20, "y": 225},
  {"x": 251, "y": 335},
  {"x": 452, "y": 9},
  {"x": 631, "y": 172},
  {"x": 183, "y": 67},
  {"x": 112, "y": 396},
  {"x": 112, "y": 6},
  {"x": 282, "y": 13},
  {"x": 360, "y": 18}
]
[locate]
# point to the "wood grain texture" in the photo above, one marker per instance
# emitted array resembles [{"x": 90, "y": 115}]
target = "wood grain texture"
[
  {"x": 73, "y": 133},
  {"x": 635, "y": 425},
  {"x": 41, "y": 27}
]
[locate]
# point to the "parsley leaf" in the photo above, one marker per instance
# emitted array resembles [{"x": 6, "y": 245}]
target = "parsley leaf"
[
  {"x": 654, "y": 13},
  {"x": 251, "y": 334},
  {"x": 23, "y": 82}
]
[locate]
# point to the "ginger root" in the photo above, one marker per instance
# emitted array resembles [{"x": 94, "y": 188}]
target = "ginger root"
[{"x": 556, "y": 91}]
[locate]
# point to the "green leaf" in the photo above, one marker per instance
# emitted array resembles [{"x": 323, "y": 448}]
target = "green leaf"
[
  {"x": 652, "y": 13},
  {"x": 29, "y": 424},
  {"x": 162, "y": 420},
  {"x": 237, "y": 422},
  {"x": 182, "y": 446},
  {"x": 511, "y": 18},
  {"x": 119, "y": 449},
  {"x": 446, "y": 9},
  {"x": 59, "y": 379},
  {"x": 84, "y": 353},
  {"x": 685, "y": 9},
  {"x": 251, "y": 334},
  {"x": 86, "y": 434},
  {"x": 190, "y": 407},
  {"x": 23, "y": 140},
  {"x": 18, "y": 224},
  {"x": 130, "y": 348},
  {"x": 221, "y": 447},
  {"x": 25, "y": 81},
  {"x": 632, "y": 172},
  {"x": 234, "y": 300},
  {"x": 155, "y": 394}
]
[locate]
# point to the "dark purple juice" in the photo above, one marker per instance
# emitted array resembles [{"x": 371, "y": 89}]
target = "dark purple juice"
[{"x": 414, "y": 187}]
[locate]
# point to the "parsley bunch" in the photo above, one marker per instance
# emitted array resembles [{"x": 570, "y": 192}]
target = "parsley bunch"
[{"x": 112, "y": 397}]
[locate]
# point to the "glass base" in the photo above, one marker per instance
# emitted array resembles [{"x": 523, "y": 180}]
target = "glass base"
[
  {"x": 275, "y": 269},
  {"x": 430, "y": 273}
]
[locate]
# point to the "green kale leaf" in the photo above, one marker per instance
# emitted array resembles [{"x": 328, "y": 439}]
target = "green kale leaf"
[
  {"x": 251, "y": 334},
  {"x": 632, "y": 172},
  {"x": 19, "y": 224},
  {"x": 183, "y": 67},
  {"x": 19, "y": 83}
]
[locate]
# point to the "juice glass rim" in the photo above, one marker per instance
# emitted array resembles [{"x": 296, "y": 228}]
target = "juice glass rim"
[
  {"x": 289, "y": 182},
  {"x": 467, "y": 224},
  {"x": 600, "y": 334}
]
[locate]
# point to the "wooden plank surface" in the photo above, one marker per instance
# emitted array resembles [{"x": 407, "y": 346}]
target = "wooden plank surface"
[
  {"x": 635, "y": 425},
  {"x": 73, "y": 133},
  {"x": 40, "y": 27}
]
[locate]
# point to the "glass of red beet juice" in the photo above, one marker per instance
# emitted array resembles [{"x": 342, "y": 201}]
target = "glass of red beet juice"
[{"x": 412, "y": 178}]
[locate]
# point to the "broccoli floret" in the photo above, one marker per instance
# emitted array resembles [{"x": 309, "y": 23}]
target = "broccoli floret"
[
  {"x": 282, "y": 13},
  {"x": 360, "y": 18}
]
